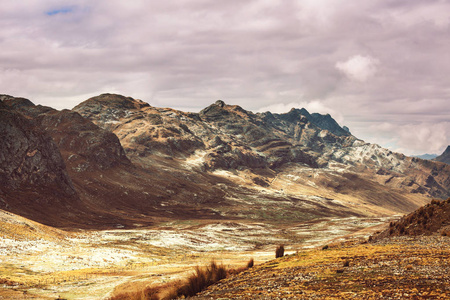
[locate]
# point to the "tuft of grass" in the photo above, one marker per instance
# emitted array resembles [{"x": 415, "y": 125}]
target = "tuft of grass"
[
  {"x": 279, "y": 252},
  {"x": 201, "y": 279}
]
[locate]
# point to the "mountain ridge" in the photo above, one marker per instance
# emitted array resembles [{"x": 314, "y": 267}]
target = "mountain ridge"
[{"x": 132, "y": 164}]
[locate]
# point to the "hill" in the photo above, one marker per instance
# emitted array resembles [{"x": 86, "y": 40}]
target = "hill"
[
  {"x": 431, "y": 219},
  {"x": 400, "y": 268}
]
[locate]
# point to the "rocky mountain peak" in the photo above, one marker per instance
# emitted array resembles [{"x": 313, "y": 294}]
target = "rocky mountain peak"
[
  {"x": 109, "y": 108},
  {"x": 215, "y": 111},
  {"x": 328, "y": 123},
  {"x": 15, "y": 102},
  {"x": 220, "y": 103},
  {"x": 112, "y": 102},
  {"x": 295, "y": 114}
]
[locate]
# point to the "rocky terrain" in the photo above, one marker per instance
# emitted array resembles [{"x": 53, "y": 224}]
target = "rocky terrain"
[
  {"x": 400, "y": 268},
  {"x": 115, "y": 161}
]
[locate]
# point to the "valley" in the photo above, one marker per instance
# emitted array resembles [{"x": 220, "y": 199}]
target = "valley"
[{"x": 40, "y": 262}]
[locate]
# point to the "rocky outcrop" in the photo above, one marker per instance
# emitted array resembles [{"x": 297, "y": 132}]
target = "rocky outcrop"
[
  {"x": 83, "y": 145},
  {"x": 143, "y": 130},
  {"x": 33, "y": 175},
  {"x": 29, "y": 157}
]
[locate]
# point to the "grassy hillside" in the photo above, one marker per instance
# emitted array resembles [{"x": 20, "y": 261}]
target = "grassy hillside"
[{"x": 400, "y": 268}]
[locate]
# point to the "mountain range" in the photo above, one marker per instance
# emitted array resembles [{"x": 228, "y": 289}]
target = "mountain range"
[{"x": 115, "y": 161}]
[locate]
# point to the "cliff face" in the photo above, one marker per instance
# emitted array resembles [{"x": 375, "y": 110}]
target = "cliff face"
[{"x": 33, "y": 174}]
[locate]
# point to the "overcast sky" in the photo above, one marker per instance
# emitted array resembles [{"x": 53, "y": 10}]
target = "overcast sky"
[{"x": 382, "y": 68}]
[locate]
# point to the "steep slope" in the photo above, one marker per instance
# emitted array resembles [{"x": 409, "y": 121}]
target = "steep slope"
[
  {"x": 33, "y": 175},
  {"x": 431, "y": 219},
  {"x": 444, "y": 157}
]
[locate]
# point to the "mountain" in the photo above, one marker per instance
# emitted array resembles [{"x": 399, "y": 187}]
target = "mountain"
[
  {"x": 227, "y": 137},
  {"x": 120, "y": 162},
  {"x": 426, "y": 156},
  {"x": 444, "y": 157}
]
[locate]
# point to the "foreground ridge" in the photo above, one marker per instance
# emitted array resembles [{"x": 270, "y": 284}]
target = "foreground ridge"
[{"x": 398, "y": 268}]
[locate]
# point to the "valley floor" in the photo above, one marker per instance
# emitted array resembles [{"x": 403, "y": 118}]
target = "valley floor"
[{"x": 96, "y": 264}]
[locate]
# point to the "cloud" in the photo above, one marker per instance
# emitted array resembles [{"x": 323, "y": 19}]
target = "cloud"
[
  {"x": 358, "y": 68},
  {"x": 415, "y": 139},
  {"x": 257, "y": 54}
]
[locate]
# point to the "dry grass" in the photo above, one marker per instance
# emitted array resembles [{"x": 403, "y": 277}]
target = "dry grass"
[
  {"x": 404, "y": 268},
  {"x": 195, "y": 283},
  {"x": 202, "y": 278}
]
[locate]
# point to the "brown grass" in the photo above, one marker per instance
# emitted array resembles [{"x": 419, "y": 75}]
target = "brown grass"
[
  {"x": 195, "y": 283},
  {"x": 201, "y": 279}
]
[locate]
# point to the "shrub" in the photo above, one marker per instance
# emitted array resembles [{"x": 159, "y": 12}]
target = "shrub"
[
  {"x": 279, "y": 252},
  {"x": 250, "y": 263}
]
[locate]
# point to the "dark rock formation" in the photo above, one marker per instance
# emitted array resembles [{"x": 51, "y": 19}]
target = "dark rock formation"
[
  {"x": 33, "y": 175},
  {"x": 83, "y": 144}
]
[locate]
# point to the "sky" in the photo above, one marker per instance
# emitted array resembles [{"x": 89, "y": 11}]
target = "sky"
[{"x": 380, "y": 67}]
